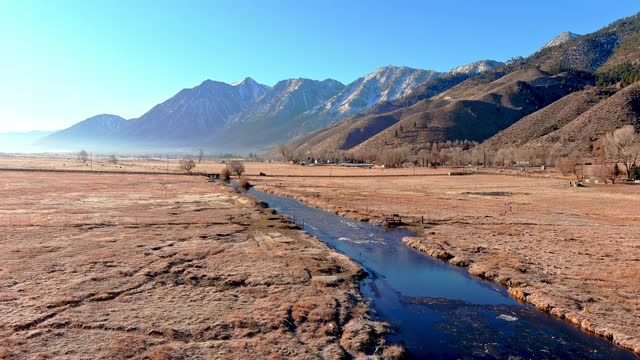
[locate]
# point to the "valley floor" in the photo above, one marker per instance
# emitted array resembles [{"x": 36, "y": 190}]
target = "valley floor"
[
  {"x": 155, "y": 266},
  {"x": 573, "y": 252}
]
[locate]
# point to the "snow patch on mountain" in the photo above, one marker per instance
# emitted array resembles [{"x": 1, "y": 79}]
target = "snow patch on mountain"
[
  {"x": 385, "y": 84},
  {"x": 475, "y": 68},
  {"x": 561, "y": 39}
]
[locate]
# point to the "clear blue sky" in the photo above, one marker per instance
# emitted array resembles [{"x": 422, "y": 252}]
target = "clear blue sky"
[{"x": 63, "y": 61}]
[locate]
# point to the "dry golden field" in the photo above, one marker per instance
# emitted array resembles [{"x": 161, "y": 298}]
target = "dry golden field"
[{"x": 166, "y": 267}]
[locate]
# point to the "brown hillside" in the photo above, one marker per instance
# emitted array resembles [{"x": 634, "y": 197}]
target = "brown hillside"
[
  {"x": 546, "y": 120},
  {"x": 472, "y": 110},
  {"x": 476, "y": 113},
  {"x": 619, "y": 110}
]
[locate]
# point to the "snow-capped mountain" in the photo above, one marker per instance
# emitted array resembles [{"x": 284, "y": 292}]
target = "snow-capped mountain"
[
  {"x": 289, "y": 98},
  {"x": 272, "y": 117},
  {"x": 385, "y": 84},
  {"x": 194, "y": 113},
  {"x": 249, "y": 89},
  {"x": 475, "y": 68},
  {"x": 96, "y": 128},
  {"x": 561, "y": 39}
]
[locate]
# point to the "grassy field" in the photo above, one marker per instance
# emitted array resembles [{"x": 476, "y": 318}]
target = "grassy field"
[
  {"x": 166, "y": 267},
  {"x": 573, "y": 252}
]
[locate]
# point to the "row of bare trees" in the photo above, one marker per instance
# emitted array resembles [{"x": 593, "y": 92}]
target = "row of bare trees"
[{"x": 621, "y": 146}]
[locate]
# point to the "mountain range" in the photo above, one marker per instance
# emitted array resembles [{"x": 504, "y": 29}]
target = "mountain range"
[
  {"x": 247, "y": 115},
  {"x": 532, "y": 100},
  {"x": 547, "y": 98}
]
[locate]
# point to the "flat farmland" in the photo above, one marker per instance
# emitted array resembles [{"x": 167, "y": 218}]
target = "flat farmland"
[{"x": 118, "y": 266}]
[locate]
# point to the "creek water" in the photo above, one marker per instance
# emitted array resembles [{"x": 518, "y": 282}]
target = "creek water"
[{"x": 438, "y": 311}]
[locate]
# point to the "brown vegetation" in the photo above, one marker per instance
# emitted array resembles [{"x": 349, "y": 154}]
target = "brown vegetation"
[
  {"x": 166, "y": 267},
  {"x": 187, "y": 164},
  {"x": 236, "y": 167},
  {"x": 83, "y": 156},
  {"x": 225, "y": 174},
  {"x": 572, "y": 252},
  {"x": 243, "y": 183}
]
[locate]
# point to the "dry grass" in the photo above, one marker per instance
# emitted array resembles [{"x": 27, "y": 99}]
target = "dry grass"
[
  {"x": 162, "y": 267},
  {"x": 560, "y": 248}
]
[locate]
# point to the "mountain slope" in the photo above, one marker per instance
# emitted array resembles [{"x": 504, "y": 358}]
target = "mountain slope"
[
  {"x": 608, "y": 46},
  {"x": 610, "y": 114},
  {"x": 271, "y": 118},
  {"x": 385, "y": 84},
  {"x": 367, "y": 127},
  {"x": 561, "y": 39},
  {"x": 546, "y": 120},
  {"x": 96, "y": 129},
  {"x": 463, "y": 112},
  {"x": 477, "y": 107},
  {"x": 479, "y": 113},
  {"x": 475, "y": 68},
  {"x": 193, "y": 114}
]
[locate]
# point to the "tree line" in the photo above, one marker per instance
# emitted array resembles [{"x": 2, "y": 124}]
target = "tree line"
[{"x": 614, "y": 154}]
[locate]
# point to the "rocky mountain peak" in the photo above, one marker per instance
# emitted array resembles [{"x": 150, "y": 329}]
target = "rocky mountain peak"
[{"x": 561, "y": 39}]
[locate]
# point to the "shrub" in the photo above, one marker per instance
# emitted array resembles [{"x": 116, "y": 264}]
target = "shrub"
[
  {"x": 244, "y": 183},
  {"x": 393, "y": 352},
  {"x": 83, "y": 156},
  {"x": 187, "y": 164},
  {"x": 236, "y": 167},
  {"x": 225, "y": 174}
]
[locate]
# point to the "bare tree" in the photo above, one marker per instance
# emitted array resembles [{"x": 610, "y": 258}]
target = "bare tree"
[
  {"x": 200, "y": 156},
  {"x": 83, "y": 156},
  {"x": 236, "y": 167},
  {"x": 393, "y": 158},
  {"x": 572, "y": 165},
  {"x": 505, "y": 156},
  {"x": 187, "y": 164},
  {"x": 477, "y": 156},
  {"x": 456, "y": 156},
  {"x": 306, "y": 153},
  {"x": 323, "y": 155},
  {"x": 113, "y": 159},
  {"x": 623, "y": 145},
  {"x": 285, "y": 151},
  {"x": 425, "y": 157},
  {"x": 604, "y": 171}
]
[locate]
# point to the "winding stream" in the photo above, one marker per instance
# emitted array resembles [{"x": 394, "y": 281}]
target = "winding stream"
[{"x": 438, "y": 311}]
